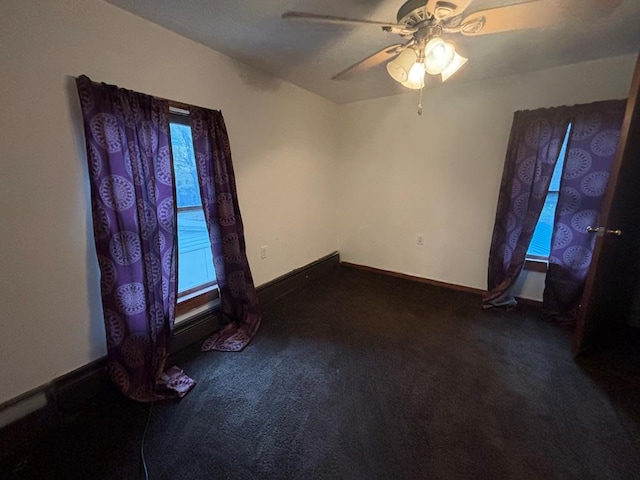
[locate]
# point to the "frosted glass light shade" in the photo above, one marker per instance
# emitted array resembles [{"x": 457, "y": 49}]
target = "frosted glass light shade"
[
  {"x": 455, "y": 65},
  {"x": 400, "y": 66},
  {"x": 438, "y": 55},
  {"x": 416, "y": 77}
]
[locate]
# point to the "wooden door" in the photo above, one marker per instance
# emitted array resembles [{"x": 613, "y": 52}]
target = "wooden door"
[{"x": 614, "y": 275}]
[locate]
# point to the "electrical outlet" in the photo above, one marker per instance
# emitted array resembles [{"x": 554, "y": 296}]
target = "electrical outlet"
[
  {"x": 420, "y": 240},
  {"x": 263, "y": 252}
]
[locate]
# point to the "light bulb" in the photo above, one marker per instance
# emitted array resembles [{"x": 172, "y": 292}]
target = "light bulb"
[
  {"x": 416, "y": 74},
  {"x": 438, "y": 51},
  {"x": 438, "y": 55},
  {"x": 416, "y": 77}
]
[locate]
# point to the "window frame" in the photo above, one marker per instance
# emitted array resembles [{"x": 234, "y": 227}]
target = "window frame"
[
  {"x": 535, "y": 263},
  {"x": 209, "y": 292}
]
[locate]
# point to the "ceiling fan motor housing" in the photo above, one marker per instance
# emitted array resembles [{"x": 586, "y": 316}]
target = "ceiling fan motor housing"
[
  {"x": 412, "y": 12},
  {"x": 415, "y": 12}
]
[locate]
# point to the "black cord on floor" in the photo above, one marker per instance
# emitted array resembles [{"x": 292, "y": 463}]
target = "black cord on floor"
[{"x": 146, "y": 427}]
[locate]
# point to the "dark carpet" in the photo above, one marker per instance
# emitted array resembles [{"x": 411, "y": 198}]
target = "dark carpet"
[{"x": 364, "y": 376}]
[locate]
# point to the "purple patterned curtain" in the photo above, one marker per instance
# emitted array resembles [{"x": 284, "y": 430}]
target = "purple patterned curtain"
[
  {"x": 132, "y": 194},
  {"x": 592, "y": 147},
  {"x": 534, "y": 145},
  {"x": 240, "y": 311}
]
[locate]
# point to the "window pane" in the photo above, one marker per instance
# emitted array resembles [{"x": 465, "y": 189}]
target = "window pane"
[
  {"x": 195, "y": 262},
  {"x": 540, "y": 245},
  {"x": 184, "y": 166},
  {"x": 541, "y": 241},
  {"x": 554, "y": 184}
]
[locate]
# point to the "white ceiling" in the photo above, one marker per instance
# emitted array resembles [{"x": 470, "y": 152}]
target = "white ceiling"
[{"x": 309, "y": 54}]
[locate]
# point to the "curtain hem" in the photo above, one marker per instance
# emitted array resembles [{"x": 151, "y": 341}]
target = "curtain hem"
[{"x": 233, "y": 338}]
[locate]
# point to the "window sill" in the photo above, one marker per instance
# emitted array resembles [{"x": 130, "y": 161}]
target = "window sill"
[
  {"x": 187, "y": 304},
  {"x": 535, "y": 264}
]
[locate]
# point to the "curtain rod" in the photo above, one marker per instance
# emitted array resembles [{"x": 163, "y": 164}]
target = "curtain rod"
[
  {"x": 178, "y": 105},
  {"x": 185, "y": 106},
  {"x": 172, "y": 103},
  {"x": 178, "y": 110}
]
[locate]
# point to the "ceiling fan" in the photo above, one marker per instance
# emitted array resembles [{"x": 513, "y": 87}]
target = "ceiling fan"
[{"x": 422, "y": 24}]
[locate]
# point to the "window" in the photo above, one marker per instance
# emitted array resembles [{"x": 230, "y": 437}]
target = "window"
[
  {"x": 196, "y": 275},
  {"x": 540, "y": 246}
]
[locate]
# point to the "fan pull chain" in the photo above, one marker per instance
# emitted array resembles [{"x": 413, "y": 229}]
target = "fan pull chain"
[{"x": 420, "y": 103}]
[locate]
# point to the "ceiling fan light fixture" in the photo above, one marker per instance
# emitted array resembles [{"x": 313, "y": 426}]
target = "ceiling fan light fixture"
[
  {"x": 455, "y": 65},
  {"x": 416, "y": 77},
  {"x": 438, "y": 55},
  {"x": 400, "y": 67}
]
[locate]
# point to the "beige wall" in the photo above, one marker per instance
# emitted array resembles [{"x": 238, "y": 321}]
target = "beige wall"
[
  {"x": 439, "y": 174},
  {"x": 282, "y": 143}
]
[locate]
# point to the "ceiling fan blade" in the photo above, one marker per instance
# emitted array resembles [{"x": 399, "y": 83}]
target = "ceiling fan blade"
[
  {"x": 534, "y": 14},
  {"x": 441, "y": 9},
  {"x": 377, "y": 58},
  {"x": 312, "y": 17}
]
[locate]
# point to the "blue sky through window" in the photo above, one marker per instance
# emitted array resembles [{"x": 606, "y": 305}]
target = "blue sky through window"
[{"x": 540, "y": 245}]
